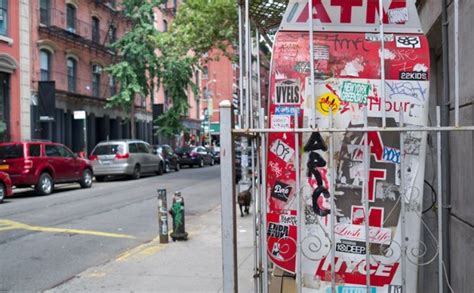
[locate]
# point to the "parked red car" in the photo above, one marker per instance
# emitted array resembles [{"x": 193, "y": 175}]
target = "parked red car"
[
  {"x": 5, "y": 186},
  {"x": 42, "y": 165}
]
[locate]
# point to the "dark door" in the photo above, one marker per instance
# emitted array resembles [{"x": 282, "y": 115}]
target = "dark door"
[{"x": 4, "y": 106}]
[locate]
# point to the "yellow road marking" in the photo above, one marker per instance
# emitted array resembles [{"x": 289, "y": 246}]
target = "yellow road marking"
[{"x": 12, "y": 225}]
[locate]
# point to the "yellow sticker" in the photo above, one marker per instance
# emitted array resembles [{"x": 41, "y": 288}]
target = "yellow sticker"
[{"x": 326, "y": 102}]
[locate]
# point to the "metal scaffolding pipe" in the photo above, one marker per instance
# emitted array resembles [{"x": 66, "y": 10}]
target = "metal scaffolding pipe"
[
  {"x": 445, "y": 205},
  {"x": 356, "y": 129}
]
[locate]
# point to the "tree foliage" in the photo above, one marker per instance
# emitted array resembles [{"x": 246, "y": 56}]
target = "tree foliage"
[
  {"x": 138, "y": 61},
  {"x": 199, "y": 26}
]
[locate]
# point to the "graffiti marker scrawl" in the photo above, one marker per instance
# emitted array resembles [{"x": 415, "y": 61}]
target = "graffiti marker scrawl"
[{"x": 348, "y": 84}]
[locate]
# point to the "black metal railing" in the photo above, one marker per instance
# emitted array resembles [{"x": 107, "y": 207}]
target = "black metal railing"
[
  {"x": 79, "y": 85},
  {"x": 74, "y": 27}
]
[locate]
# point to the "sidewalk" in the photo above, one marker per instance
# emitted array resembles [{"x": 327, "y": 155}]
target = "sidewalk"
[{"x": 188, "y": 266}]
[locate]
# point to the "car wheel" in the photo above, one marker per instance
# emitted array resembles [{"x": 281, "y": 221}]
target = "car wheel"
[
  {"x": 167, "y": 168},
  {"x": 177, "y": 167},
  {"x": 201, "y": 163},
  {"x": 136, "y": 172},
  {"x": 3, "y": 191},
  {"x": 45, "y": 184},
  {"x": 212, "y": 162},
  {"x": 160, "y": 168},
  {"x": 86, "y": 180},
  {"x": 100, "y": 178}
]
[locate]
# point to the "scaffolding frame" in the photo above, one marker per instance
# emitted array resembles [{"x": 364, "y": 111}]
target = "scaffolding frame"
[{"x": 255, "y": 12}]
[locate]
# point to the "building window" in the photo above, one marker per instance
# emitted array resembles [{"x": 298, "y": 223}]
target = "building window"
[
  {"x": 4, "y": 106},
  {"x": 112, "y": 86},
  {"x": 71, "y": 74},
  {"x": 71, "y": 18},
  {"x": 205, "y": 72},
  {"x": 45, "y": 65},
  {"x": 112, "y": 34},
  {"x": 45, "y": 7},
  {"x": 165, "y": 26},
  {"x": 96, "y": 72},
  {"x": 3, "y": 17},
  {"x": 95, "y": 29}
]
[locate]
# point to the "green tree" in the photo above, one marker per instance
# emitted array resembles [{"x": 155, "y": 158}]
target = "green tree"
[
  {"x": 200, "y": 25},
  {"x": 138, "y": 63}
]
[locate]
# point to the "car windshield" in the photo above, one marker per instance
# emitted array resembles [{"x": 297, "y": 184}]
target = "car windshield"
[
  {"x": 183, "y": 150},
  {"x": 108, "y": 149},
  {"x": 12, "y": 151}
]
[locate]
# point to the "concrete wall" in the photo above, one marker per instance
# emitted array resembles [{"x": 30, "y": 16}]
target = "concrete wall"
[{"x": 461, "y": 147}]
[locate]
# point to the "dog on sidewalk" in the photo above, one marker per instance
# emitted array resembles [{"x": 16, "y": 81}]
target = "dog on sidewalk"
[{"x": 244, "y": 198}]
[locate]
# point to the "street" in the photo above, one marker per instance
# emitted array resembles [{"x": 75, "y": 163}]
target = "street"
[{"x": 45, "y": 241}]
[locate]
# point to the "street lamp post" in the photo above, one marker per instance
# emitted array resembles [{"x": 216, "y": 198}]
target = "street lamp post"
[{"x": 208, "y": 98}]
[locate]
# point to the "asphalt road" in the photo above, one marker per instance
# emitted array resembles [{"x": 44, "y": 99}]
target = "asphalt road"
[{"x": 45, "y": 241}]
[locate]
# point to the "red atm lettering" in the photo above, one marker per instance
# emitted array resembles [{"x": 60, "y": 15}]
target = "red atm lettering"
[
  {"x": 319, "y": 12},
  {"x": 373, "y": 9},
  {"x": 346, "y": 8}
]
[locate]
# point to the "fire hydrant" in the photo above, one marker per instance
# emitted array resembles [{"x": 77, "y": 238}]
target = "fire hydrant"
[{"x": 177, "y": 214}]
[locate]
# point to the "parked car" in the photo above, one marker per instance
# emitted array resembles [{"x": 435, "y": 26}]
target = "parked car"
[
  {"x": 5, "y": 186},
  {"x": 216, "y": 151},
  {"x": 42, "y": 165},
  {"x": 125, "y": 157},
  {"x": 170, "y": 157},
  {"x": 195, "y": 156}
]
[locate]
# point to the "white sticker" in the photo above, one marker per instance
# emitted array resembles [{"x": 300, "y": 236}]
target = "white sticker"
[
  {"x": 281, "y": 121},
  {"x": 412, "y": 42},
  {"x": 398, "y": 15},
  {"x": 282, "y": 150}
]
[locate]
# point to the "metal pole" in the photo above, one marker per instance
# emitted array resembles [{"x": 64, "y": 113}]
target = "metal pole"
[
  {"x": 311, "y": 64},
  {"x": 264, "y": 206},
  {"x": 365, "y": 200},
  {"x": 440, "y": 209},
  {"x": 332, "y": 190},
  {"x": 85, "y": 135},
  {"x": 228, "y": 217},
  {"x": 259, "y": 85},
  {"x": 456, "y": 62},
  {"x": 258, "y": 217},
  {"x": 248, "y": 59},
  {"x": 299, "y": 210},
  {"x": 445, "y": 205},
  {"x": 382, "y": 63},
  {"x": 255, "y": 244},
  {"x": 403, "y": 203},
  {"x": 241, "y": 69},
  {"x": 162, "y": 216},
  {"x": 355, "y": 129}
]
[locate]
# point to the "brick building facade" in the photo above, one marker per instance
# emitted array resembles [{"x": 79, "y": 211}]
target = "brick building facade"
[
  {"x": 70, "y": 45},
  {"x": 14, "y": 70}
]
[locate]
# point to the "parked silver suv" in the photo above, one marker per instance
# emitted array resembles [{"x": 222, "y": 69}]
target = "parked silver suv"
[{"x": 124, "y": 157}]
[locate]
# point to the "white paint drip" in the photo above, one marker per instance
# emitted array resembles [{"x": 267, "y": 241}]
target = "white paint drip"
[
  {"x": 420, "y": 68},
  {"x": 353, "y": 68},
  {"x": 388, "y": 55}
]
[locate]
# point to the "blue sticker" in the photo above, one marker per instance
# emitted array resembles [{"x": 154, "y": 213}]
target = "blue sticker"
[
  {"x": 287, "y": 110},
  {"x": 352, "y": 289}
]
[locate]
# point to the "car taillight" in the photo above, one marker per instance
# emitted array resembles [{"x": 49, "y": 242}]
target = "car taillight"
[
  {"x": 92, "y": 157},
  {"x": 194, "y": 154},
  {"x": 122, "y": 156},
  {"x": 28, "y": 164}
]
